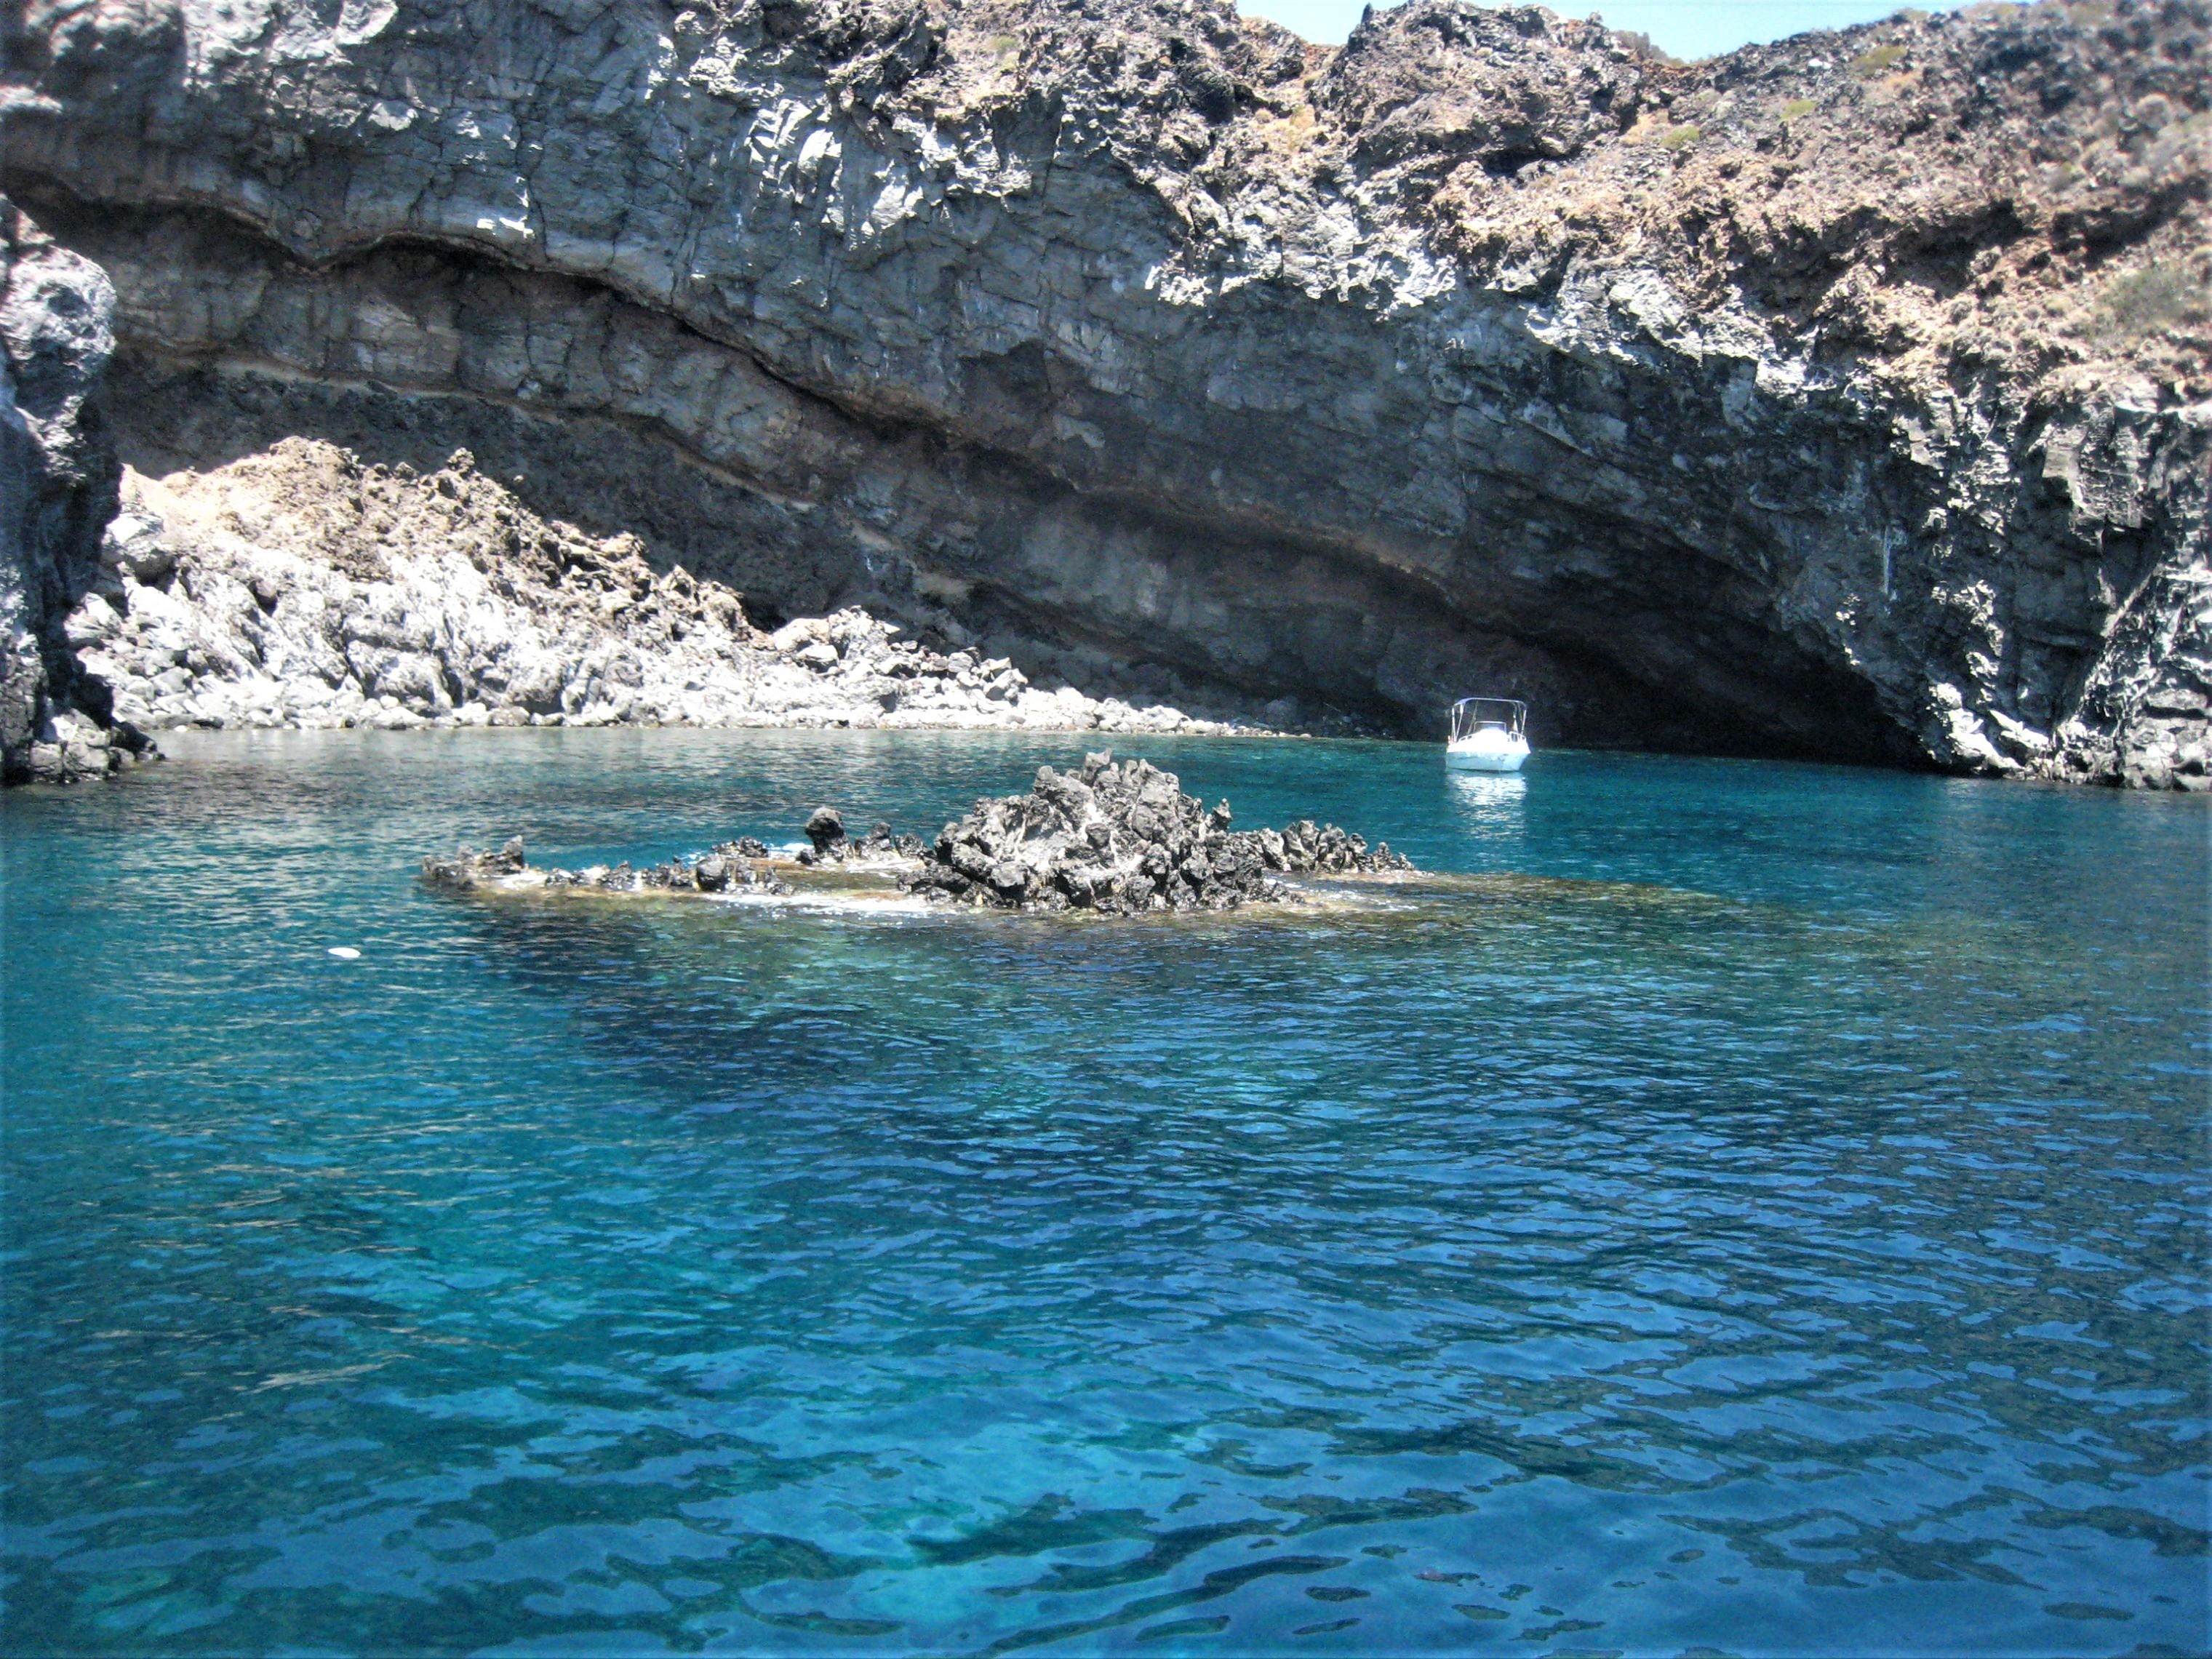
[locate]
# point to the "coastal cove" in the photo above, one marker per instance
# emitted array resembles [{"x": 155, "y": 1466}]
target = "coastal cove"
[{"x": 1724, "y": 1203}]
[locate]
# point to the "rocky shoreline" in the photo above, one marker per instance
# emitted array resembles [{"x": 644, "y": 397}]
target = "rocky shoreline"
[
  {"x": 302, "y": 587},
  {"x": 1113, "y": 838}
]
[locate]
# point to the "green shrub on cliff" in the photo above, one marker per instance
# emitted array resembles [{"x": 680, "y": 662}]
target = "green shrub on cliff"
[
  {"x": 1878, "y": 60},
  {"x": 2159, "y": 295}
]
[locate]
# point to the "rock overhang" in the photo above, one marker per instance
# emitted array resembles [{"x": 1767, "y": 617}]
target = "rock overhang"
[{"x": 1635, "y": 469}]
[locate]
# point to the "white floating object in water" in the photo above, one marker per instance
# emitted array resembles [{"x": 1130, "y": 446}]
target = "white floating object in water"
[
  {"x": 1488, "y": 734},
  {"x": 345, "y": 953}
]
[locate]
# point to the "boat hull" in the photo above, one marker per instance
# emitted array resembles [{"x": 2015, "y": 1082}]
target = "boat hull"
[{"x": 1486, "y": 756}]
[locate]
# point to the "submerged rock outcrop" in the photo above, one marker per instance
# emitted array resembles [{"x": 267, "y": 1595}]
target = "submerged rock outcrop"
[
  {"x": 733, "y": 868},
  {"x": 1122, "y": 839},
  {"x": 1847, "y": 397},
  {"x": 1119, "y": 839}
]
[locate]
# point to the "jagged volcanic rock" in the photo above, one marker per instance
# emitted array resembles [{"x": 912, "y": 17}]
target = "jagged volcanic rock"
[
  {"x": 57, "y": 487},
  {"x": 302, "y": 587},
  {"x": 1844, "y": 396},
  {"x": 1120, "y": 839},
  {"x": 825, "y": 827},
  {"x": 728, "y": 868},
  {"x": 1124, "y": 838},
  {"x": 470, "y": 868}
]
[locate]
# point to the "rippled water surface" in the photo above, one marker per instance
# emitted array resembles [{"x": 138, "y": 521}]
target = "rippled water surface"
[{"x": 1757, "y": 1209}]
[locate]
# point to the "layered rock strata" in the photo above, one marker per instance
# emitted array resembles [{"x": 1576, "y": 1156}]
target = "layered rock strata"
[
  {"x": 1846, "y": 396},
  {"x": 299, "y": 586}
]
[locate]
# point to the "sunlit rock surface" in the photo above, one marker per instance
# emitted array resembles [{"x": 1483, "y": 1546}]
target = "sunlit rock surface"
[
  {"x": 57, "y": 479},
  {"x": 1115, "y": 838},
  {"x": 298, "y": 587},
  {"x": 1841, "y": 398}
]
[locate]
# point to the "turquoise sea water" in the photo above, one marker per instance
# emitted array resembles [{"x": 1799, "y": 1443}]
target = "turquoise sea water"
[{"x": 1760, "y": 1211}]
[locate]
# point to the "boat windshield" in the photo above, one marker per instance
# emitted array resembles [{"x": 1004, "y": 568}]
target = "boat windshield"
[{"x": 1472, "y": 715}]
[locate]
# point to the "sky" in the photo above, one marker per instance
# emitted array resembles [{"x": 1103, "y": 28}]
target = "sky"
[{"x": 1687, "y": 28}]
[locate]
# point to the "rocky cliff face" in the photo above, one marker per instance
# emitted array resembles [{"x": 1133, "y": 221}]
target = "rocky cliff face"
[
  {"x": 1844, "y": 397},
  {"x": 57, "y": 478}
]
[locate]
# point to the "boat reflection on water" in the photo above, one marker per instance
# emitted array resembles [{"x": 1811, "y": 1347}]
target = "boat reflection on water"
[{"x": 1489, "y": 802}]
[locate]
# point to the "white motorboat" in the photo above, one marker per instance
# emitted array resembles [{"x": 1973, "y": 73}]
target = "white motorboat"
[{"x": 1488, "y": 734}]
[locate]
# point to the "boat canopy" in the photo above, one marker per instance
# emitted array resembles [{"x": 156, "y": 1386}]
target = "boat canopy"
[{"x": 1472, "y": 715}]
